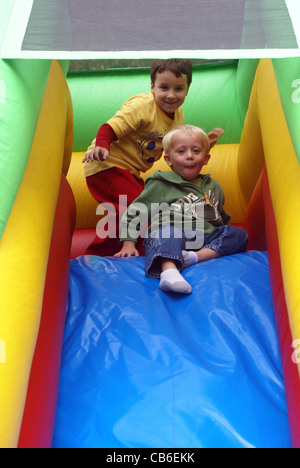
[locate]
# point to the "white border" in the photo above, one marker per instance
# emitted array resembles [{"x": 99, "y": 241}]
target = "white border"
[
  {"x": 153, "y": 54},
  {"x": 12, "y": 44},
  {"x": 16, "y": 29},
  {"x": 293, "y": 7}
]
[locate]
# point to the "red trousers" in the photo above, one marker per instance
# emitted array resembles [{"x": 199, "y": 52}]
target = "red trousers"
[{"x": 107, "y": 187}]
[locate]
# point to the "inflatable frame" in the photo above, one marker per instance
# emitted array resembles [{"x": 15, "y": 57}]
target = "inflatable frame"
[{"x": 47, "y": 215}]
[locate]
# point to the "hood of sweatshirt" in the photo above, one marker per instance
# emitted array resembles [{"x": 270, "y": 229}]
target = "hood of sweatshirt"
[{"x": 174, "y": 178}]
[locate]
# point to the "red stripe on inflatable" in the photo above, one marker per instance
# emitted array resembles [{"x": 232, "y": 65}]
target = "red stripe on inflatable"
[
  {"x": 40, "y": 409},
  {"x": 82, "y": 239},
  {"x": 255, "y": 219},
  {"x": 290, "y": 369}
]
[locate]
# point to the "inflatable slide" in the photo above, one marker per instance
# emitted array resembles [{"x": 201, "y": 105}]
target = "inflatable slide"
[{"x": 92, "y": 354}]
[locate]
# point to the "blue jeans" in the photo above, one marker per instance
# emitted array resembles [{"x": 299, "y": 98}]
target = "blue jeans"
[{"x": 168, "y": 242}]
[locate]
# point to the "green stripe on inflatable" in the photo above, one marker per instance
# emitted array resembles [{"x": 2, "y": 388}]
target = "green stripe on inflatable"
[
  {"x": 245, "y": 77},
  {"x": 287, "y": 73},
  {"x": 212, "y": 99},
  {"x": 22, "y": 87}
]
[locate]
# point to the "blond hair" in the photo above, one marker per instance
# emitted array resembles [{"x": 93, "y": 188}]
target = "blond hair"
[{"x": 188, "y": 130}]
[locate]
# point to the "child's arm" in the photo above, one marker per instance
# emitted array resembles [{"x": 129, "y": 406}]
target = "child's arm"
[
  {"x": 140, "y": 210},
  {"x": 130, "y": 117},
  {"x": 214, "y": 135},
  {"x": 104, "y": 139},
  {"x": 96, "y": 154},
  {"x": 128, "y": 250}
]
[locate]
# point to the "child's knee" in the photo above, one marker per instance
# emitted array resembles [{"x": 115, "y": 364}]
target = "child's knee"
[{"x": 241, "y": 237}]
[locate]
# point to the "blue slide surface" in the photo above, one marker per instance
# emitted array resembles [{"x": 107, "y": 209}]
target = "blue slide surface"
[{"x": 141, "y": 368}]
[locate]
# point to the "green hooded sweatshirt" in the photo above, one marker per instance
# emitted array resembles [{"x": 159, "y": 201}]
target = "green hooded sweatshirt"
[{"x": 168, "y": 199}]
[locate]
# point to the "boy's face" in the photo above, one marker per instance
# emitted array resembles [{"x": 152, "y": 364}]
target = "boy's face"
[
  {"x": 169, "y": 91},
  {"x": 187, "y": 155}
]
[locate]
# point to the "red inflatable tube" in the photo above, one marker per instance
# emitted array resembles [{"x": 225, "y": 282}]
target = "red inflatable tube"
[
  {"x": 260, "y": 224},
  {"x": 290, "y": 369},
  {"x": 255, "y": 219},
  {"x": 39, "y": 414}
]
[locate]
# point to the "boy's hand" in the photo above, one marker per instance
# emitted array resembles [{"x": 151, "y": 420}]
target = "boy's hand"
[
  {"x": 96, "y": 154},
  {"x": 128, "y": 250},
  {"x": 214, "y": 135}
]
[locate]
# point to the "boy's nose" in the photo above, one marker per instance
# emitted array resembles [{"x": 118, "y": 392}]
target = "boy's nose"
[{"x": 171, "y": 94}]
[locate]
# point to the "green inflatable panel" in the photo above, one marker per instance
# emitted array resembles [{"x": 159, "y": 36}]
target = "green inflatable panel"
[
  {"x": 97, "y": 96},
  {"x": 22, "y": 87},
  {"x": 288, "y": 79}
]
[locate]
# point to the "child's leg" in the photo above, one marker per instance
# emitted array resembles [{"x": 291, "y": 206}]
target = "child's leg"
[
  {"x": 106, "y": 187},
  {"x": 226, "y": 240},
  {"x": 223, "y": 241},
  {"x": 163, "y": 251},
  {"x": 191, "y": 258}
]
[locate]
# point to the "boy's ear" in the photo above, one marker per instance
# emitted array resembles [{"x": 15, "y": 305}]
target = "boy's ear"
[
  {"x": 207, "y": 158},
  {"x": 168, "y": 160}
]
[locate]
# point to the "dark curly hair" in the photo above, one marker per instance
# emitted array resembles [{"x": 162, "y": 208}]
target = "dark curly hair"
[{"x": 177, "y": 66}]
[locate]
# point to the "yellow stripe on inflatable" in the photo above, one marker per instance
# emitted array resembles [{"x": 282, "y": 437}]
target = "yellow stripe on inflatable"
[
  {"x": 251, "y": 155},
  {"x": 24, "y": 250},
  {"x": 86, "y": 205},
  {"x": 223, "y": 166},
  {"x": 284, "y": 178}
]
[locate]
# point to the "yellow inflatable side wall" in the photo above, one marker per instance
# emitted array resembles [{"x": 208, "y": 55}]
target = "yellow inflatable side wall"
[
  {"x": 284, "y": 175},
  {"x": 24, "y": 250}
]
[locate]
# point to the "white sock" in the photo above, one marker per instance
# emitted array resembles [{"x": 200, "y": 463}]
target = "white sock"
[
  {"x": 189, "y": 258},
  {"x": 172, "y": 280}
]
